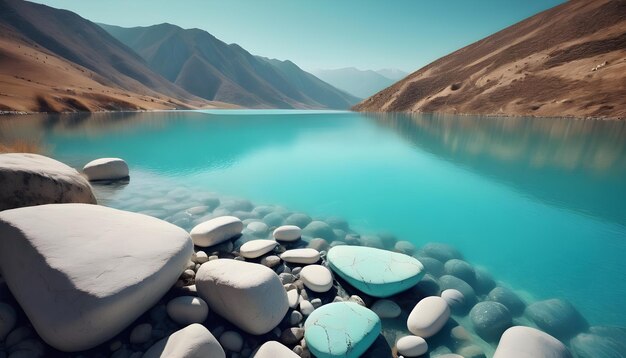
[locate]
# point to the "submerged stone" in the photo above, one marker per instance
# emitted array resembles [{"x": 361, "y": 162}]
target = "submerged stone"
[
  {"x": 441, "y": 252},
  {"x": 319, "y": 229},
  {"x": 557, "y": 317},
  {"x": 508, "y": 298},
  {"x": 428, "y": 316},
  {"x": 448, "y": 282},
  {"x": 378, "y": 273},
  {"x": 600, "y": 342},
  {"x": 341, "y": 329},
  {"x": 490, "y": 320},
  {"x": 527, "y": 342}
]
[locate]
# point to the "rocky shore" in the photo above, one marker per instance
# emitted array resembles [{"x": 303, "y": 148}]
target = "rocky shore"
[{"x": 185, "y": 274}]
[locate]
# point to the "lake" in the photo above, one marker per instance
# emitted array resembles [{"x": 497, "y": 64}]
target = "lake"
[{"x": 540, "y": 203}]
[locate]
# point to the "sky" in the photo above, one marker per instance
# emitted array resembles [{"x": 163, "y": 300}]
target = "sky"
[{"x": 326, "y": 34}]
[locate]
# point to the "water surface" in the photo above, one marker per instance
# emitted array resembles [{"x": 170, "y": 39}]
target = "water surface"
[{"x": 538, "y": 202}]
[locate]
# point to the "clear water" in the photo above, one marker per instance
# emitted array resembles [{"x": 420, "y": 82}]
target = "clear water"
[{"x": 541, "y": 203}]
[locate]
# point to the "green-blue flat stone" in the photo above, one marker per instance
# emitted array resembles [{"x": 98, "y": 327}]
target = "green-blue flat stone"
[
  {"x": 341, "y": 329},
  {"x": 379, "y": 273}
]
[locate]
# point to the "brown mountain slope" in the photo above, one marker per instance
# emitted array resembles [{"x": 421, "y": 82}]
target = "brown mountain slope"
[
  {"x": 567, "y": 61},
  {"x": 53, "y": 60}
]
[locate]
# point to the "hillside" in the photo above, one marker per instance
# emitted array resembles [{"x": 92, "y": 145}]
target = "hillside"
[
  {"x": 567, "y": 61},
  {"x": 360, "y": 83},
  {"x": 53, "y": 60},
  {"x": 209, "y": 68}
]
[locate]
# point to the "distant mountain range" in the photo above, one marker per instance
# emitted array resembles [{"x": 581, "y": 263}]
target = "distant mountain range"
[
  {"x": 360, "y": 83},
  {"x": 53, "y": 60},
  {"x": 567, "y": 61},
  {"x": 198, "y": 62}
]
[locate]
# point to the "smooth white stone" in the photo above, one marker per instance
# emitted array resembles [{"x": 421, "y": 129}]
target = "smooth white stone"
[
  {"x": 186, "y": 310},
  {"x": 306, "y": 307},
  {"x": 248, "y": 295},
  {"x": 273, "y": 349},
  {"x": 428, "y": 316},
  {"x": 231, "y": 341},
  {"x": 193, "y": 341},
  {"x": 106, "y": 169},
  {"x": 453, "y": 297},
  {"x": 40, "y": 180},
  {"x": 293, "y": 298},
  {"x": 287, "y": 233},
  {"x": 527, "y": 342},
  {"x": 258, "y": 227},
  {"x": 412, "y": 346},
  {"x": 386, "y": 308},
  {"x": 301, "y": 256},
  {"x": 201, "y": 257},
  {"x": 91, "y": 270},
  {"x": 216, "y": 231},
  {"x": 256, "y": 248},
  {"x": 317, "y": 278}
]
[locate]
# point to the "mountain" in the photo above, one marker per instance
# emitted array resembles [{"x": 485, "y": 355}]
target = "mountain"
[
  {"x": 209, "y": 68},
  {"x": 392, "y": 73},
  {"x": 354, "y": 81},
  {"x": 567, "y": 61},
  {"x": 54, "y": 60}
]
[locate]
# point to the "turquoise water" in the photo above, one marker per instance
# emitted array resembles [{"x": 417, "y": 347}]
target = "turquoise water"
[{"x": 538, "y": 202}]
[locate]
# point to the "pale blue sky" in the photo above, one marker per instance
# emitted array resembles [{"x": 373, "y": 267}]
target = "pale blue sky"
[{"x": 367, "y": 34}]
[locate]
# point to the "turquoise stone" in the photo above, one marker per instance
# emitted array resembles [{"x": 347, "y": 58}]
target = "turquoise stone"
[
  {"x": 341, "y": 329},
  {"x": 379, "y": 273}
]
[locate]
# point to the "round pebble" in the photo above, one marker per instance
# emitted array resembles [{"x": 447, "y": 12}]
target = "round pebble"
[
  {"x": 490, "y": 320},
  {"x": 306, "y": 308},
  {"x": 201, "y": 257},
  {"x": 141, "y": 334},
  {"x": 317, "y": 278},
  {"x": 412, "y": 346},
  {"x": 186, "y": 310},
  {"x": 270, "y": 261},
  {"x": 295, "y": 317},
  {"x": 454, "y": 298},
  {"x": 256, "y": 248},
  {"x": 287, "y": 233},
  {"x": 386, "y": 308},
  {"x": 231, "y": 341},
  {"x": 291, "y": 336}
]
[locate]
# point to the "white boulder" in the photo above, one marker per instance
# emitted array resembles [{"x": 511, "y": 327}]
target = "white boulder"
[
  {"x": 301, "y": 256},
  {"x": 412, "y": 346},
  {"x": 273, "y": 349},
  {"x": 317, "y": 278},
  {"x": 287, "y": 233},
  {"x": 186, "y": 310},
  {"x": 106, "y": 169},
  {"x": 428, "y": 316},
  {"x": 256, "y": 248},
  {"x": 527, "y": 342},
  {"x": 248, "y": 295},
  {"x": 216, "y": 231},
  {"x": 193, "y": 341},
  {"x": 32, "y": 179},
  {"x": 82, "y": 273}
]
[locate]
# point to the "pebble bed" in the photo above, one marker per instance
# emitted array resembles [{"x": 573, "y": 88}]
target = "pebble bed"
[{"x": 481, "y": 308}]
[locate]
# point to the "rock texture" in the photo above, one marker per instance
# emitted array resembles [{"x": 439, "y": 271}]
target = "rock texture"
[
  {"x": 82, "y": 273},
  {"x": 566, "y": 61},
  {"x": 341, "y": 329},
  {"x": 106, "y": 169},
  {"x": 248, "y": 295},
  {"x": 216, "y": 231},
  {"x": 526, "y": 342},
  {"x": 193, "y": 341},
  {"x": 378, "y": 273},
  {"x": 33, "y": 179}
]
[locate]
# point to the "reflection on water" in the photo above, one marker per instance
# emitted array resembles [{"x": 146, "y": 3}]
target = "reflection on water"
[
  {"x": 576, "y": 164},
  {"x": 539, "y": 201}
]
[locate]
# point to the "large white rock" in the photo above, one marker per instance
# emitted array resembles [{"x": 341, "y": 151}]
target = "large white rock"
[
  {"x": 106, "y": 169},
  {"x": 82, "y": 273},
  {"x": 193, "y": 341},
  {"x": 32, "y": 179},
  {"x": 257, "y": 248},
  {"x": 273, "y": 349},
  {"x": 412, "y": 346},
  {"x": 527, "y": 342},
  {"x": 216, "y": 231},
  {"x": 186, "y": 310},
  {"x": 317, "y": 278},
  {"x": 248, "y": 295},
  {"x": 301, "y": 256},
  {"x": 287, "y": 233},
  {"x": 428, "y": 316}
]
